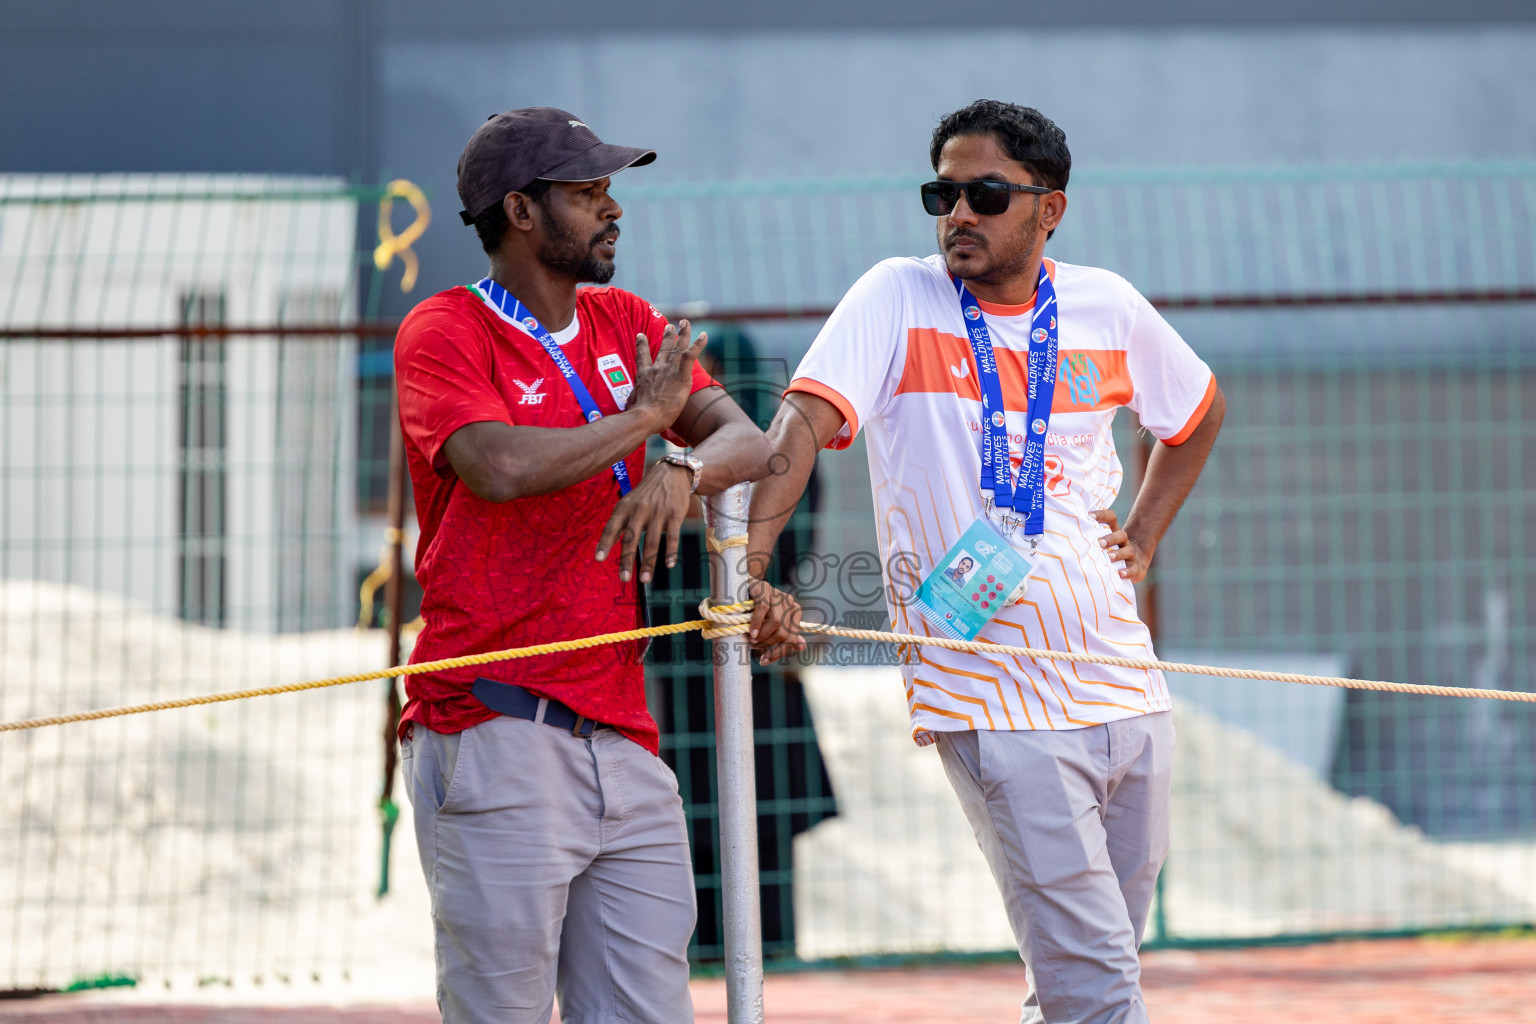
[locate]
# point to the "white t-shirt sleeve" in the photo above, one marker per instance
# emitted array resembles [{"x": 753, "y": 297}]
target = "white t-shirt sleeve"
[
  {"x": 1171, "y": 387},
  {"x": 849, "y": 363}
]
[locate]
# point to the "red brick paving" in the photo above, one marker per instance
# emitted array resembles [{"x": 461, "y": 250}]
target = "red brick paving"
[{"x": 1427, "y": 981}]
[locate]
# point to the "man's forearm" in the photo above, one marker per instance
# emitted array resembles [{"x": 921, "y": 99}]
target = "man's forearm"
[
  {"x": 774, "y": 498},
  {"x": 795, "y": 437},
  {"x": 521, "y": 462},
  {"x": 1171, "y": 474},
  {"x": 734, "y": 452}
]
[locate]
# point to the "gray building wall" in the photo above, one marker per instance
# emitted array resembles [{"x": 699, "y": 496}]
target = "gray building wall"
[
  {"x": 797, "y": 87},
  {"x": 835, "y": 102}
]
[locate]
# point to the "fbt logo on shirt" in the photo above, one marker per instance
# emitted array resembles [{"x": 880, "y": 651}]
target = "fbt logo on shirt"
[{"x": 531, "y": 394}]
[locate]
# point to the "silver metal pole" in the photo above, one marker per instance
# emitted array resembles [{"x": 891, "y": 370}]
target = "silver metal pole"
[{"x": 726, "y": 514}]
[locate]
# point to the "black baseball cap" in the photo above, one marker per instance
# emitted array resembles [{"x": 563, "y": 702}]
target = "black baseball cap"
[{"x": 513, "y": 150}]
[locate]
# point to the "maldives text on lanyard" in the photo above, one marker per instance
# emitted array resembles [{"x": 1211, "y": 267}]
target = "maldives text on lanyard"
[
  {"x": 504, "y": 303},
  {"x": 1027, "y": 502}
]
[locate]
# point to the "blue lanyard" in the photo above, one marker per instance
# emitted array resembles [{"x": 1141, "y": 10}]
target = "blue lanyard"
[
  {"x": 508, "y": 306},
  {"x": 996, "y": 470}
]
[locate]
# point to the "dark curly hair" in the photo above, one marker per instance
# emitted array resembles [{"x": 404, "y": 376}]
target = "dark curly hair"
[
  {"x": 1024, "y": 133},
  {"x": 492, "y": 225}
]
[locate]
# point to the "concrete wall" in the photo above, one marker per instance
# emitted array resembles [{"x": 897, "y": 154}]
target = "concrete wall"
[
  {"x": 831, "y": 102},
  {"x": 798, "y": 87}
]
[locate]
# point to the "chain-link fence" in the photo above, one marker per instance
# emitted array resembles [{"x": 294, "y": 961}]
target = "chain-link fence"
[
  {"x": 193, "y": 461},
  {"x": 181, "y": 443}
]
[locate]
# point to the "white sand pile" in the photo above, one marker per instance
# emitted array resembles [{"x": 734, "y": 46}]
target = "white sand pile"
[
  {"x": 1261, "y": 845},
  {"x": 233, "y": 844},
  {"x": 237, "y": 844}
]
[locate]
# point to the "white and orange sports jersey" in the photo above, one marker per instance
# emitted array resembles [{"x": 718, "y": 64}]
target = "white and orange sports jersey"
[{"x": 894, "y": 358}]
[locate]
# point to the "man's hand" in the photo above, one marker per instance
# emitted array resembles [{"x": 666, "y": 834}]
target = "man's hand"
[
  {"x": 663, "y": 384},
  {"x": 1121, "y": 547},
  {"x": 501, "y": 462},
  {"x": 658, "y": 506},
  {"x": 775, "y": 627}
]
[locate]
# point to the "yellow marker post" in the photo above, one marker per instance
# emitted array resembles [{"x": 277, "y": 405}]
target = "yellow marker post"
[{"x": 392, "y": 245}]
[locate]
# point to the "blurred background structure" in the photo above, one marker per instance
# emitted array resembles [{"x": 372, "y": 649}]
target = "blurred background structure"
[{"x": 1335, "y": 204}]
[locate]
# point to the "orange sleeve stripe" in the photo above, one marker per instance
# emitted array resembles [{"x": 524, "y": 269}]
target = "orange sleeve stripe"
[
  {"x": 1196, "y": 416},
  {"x": 820, "y": 390}
]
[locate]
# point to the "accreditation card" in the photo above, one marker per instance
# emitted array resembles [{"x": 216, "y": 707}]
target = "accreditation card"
[{"x": 974, "y": 581}]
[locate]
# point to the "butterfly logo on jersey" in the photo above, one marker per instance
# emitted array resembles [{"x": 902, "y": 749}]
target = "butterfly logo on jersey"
[
  {"x": 1038, "y": 336},
  {"x": 972, "y": 313},
  {"x": 531, "y": 394},
  {"x": 962, "y": 371}
]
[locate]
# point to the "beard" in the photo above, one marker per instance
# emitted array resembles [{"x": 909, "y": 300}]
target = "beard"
[
  {"x": 993, "y": 263},
  {"x": 565, "y": 252}
]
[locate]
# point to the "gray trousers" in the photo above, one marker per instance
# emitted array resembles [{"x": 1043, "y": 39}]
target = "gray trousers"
[
  {"x": 1074, "y": 825},
  {"x": 557, "y": 865}
]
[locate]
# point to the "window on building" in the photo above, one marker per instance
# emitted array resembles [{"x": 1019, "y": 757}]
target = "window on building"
[{"x": 202, "y": 527}]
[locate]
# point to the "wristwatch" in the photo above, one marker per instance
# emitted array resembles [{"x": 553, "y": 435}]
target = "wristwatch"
[{"x": 692, "y": 463}]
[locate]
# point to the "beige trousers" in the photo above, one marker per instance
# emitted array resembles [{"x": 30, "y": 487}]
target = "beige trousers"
[
  {"x": 1074, "y": 824},
  {"x": 558, "y": 866}
]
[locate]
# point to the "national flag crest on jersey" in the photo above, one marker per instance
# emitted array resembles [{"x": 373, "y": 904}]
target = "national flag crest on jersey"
[{"x": 616, "y": 376}]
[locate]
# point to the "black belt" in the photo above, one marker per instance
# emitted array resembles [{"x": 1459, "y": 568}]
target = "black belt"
[{"x": 511, "y": 699}]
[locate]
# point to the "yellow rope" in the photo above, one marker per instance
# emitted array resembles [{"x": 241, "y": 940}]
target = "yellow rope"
[
  {"x": 392, "y": 245},
  {"x": 734, "y": 619},
  {"x": 377, "y": 578},
  {"x": 466, "y": 661},
  {"x": 726, "y": 620}
]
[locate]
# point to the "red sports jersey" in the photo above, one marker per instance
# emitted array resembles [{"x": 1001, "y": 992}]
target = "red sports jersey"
[{"x": 520, "y": 572}]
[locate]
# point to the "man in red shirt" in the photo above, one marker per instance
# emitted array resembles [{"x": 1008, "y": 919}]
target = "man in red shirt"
[{"x": 551, "y": 835}]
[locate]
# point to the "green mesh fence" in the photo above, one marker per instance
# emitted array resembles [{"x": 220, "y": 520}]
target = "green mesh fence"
[{"x": 192, "y": 508}]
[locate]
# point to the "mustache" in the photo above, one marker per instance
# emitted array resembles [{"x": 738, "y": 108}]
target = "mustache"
[
  {"x": 608, "y": 234},
  {"x": 959, "y": 233}
]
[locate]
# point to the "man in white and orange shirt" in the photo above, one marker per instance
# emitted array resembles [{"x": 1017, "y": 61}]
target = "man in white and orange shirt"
[{"x": 986, "y": 379}]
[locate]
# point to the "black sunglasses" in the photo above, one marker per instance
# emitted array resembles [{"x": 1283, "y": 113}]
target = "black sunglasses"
[{"x": 985, "y": 198}]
